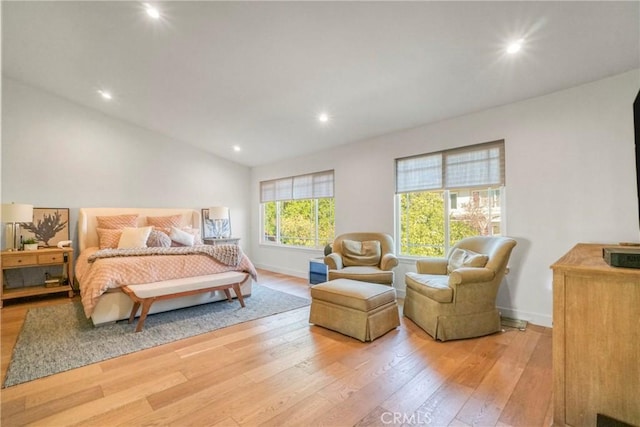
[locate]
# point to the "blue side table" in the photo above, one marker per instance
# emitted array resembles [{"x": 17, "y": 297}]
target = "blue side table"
[{"x": 318, "y": 271}]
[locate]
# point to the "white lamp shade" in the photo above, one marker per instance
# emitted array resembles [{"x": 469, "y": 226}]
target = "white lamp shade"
[
  {"x": 219, "y": 212},
  {"x": 15, "y": 212}
]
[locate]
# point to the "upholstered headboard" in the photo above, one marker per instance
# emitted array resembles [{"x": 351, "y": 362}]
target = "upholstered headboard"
[{"x": 87, "y": 223}]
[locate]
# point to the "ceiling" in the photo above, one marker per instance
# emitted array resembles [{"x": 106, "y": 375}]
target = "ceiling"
[{"x": 258, "y": 74}]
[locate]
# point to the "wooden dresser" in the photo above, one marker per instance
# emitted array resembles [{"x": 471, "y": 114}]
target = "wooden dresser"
[{"x": 596, "y": 339}]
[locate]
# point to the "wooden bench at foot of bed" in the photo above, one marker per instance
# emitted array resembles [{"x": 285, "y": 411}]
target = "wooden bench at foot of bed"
[{"x": 147, "y": 293}]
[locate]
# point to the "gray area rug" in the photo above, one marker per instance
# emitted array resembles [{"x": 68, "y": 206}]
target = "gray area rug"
[{"x": 58, "y": 338}]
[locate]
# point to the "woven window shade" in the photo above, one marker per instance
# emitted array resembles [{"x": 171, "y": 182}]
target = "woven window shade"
[
  {"x": 311, "y": 186},
  {"x": 479, "y": 165}
]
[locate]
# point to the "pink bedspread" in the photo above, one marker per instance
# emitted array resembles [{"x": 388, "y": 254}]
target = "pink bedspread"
[{"x": 109, "y": 273}]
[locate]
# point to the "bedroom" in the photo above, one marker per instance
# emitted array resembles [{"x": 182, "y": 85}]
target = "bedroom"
[{"x": 564, "y": 148}]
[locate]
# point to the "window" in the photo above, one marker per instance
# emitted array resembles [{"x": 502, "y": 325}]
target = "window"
[
  {"x": 298, "y": 210},
  {"x": 449, "y": 195}
]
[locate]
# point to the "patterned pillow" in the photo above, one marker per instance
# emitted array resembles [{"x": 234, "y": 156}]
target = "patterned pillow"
[
  {"x": 108, "y": 238},
  {"x": 117, "y": 222},
  {"x": 166, "y": 231},
  {"x": 165, "y": 221},
  {"x": 158, "y": 239}
]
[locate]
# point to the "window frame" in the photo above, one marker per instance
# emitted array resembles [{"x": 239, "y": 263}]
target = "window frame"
[
  {"x": 446, "y": 190},
  {"x": 296, "y": 188}
]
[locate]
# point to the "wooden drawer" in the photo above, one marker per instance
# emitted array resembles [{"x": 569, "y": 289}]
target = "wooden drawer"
[
  {"x": 19, "y": 260},
  {"x": 55, "y": 258}
]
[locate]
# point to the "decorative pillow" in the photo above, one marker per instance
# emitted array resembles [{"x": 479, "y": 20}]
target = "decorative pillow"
[
  {"x": 166, "y": 231},
  {"x": 195, "y": 232},
  {"x": 361, "y": 253},
  {"x": 108, "y": 238},
  {"x": 158, "y": 239},
  {"x": 182, "y": 237},
  {"x": 117, "y": 222},
  {"x": 464, "y": 258},
  {"x": 133, "y": 237},
  {"x": 165, "y": 221}
]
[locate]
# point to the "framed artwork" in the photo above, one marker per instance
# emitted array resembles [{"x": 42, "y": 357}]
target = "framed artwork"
[
  {"x": 215, "y": 229},
  {"x": 49, "y": 226}
]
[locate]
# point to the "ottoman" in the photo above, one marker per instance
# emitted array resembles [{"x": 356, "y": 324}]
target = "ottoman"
[{"x": 361, "y": 310}]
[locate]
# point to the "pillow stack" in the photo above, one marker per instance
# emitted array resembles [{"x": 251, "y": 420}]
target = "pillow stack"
[
  {"x": 110, "y": 229},
  {"x": 121, "y": 231}
]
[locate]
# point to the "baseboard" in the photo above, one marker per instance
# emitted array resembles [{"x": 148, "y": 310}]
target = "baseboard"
[{"x": 533, "y": 318}]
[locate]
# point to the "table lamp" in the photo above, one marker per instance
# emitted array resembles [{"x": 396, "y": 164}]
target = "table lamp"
[
  {"x": 14, "y": 214},
  {"x": 217, "y": 215}
]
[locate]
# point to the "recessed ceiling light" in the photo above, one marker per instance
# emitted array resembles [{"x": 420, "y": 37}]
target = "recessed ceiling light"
[
  {"x": 515, "y": 46},
  {"x": 105, "y": 94},
  {"x": 152, "y": 11},
  {"x": 236, "y": 148},
  {"x": 324, "y": 117}
]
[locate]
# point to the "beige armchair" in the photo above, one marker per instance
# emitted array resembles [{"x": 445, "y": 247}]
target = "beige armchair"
[
  {"x": 454, "y": 297},
  {"x": 368, "y": 257}
]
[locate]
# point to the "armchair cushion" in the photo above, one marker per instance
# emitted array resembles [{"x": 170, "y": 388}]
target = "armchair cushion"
[
  {"x": 361, "y": 253},
  {"x": 465, "y": 258},
  {"x": 433, "y": 286}
]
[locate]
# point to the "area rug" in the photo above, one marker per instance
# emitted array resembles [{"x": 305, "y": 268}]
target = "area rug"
[{"x": 58, "y": 338}]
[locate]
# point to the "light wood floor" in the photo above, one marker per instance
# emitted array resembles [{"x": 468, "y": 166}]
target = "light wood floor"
[{"x": 281, "y": 371}]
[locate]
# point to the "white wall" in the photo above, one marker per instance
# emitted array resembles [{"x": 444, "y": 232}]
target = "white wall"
[
  {"x": 56, "y": 153},
  {"x": 570, "y": 175}
]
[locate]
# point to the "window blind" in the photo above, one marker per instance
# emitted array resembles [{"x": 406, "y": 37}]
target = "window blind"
[
  {"x": 473, "y": 166},
  {"x": 310, "y": 186}
]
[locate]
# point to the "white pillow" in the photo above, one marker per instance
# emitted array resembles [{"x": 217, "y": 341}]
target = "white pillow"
[
  {"x": 133, "y": 237},
  {"x": 195, "y": 232},
  {"x": 182, "y": 237}
]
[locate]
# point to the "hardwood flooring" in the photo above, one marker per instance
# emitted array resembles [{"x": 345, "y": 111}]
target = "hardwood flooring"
[{"x": 280, "y": 371}]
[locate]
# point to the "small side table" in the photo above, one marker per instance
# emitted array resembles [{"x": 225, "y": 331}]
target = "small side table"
[
  {"x": 221, "y": 241},
  {"x": 37, "y": 258},
  {"x": 318, "y": 271}
]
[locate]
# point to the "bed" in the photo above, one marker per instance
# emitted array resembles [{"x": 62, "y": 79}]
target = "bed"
[{"x": 102, "y": 272}]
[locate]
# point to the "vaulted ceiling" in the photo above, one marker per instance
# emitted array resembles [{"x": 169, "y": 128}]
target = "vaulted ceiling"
[{"x": 256, "y": 75}]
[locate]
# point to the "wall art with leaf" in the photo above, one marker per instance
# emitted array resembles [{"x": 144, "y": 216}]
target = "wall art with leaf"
[{"x": 49, "y": 226}]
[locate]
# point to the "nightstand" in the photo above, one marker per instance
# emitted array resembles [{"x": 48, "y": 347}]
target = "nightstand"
[
  {"x": 318, "y": 271},
  {"x": 39, "y": 258},
  {"x": 221, "y": 241}
]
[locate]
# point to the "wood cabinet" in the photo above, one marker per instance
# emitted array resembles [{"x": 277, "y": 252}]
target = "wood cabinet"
[
  {"x": 596, "y": 339},
  {"x": 39, "y": 258}
]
